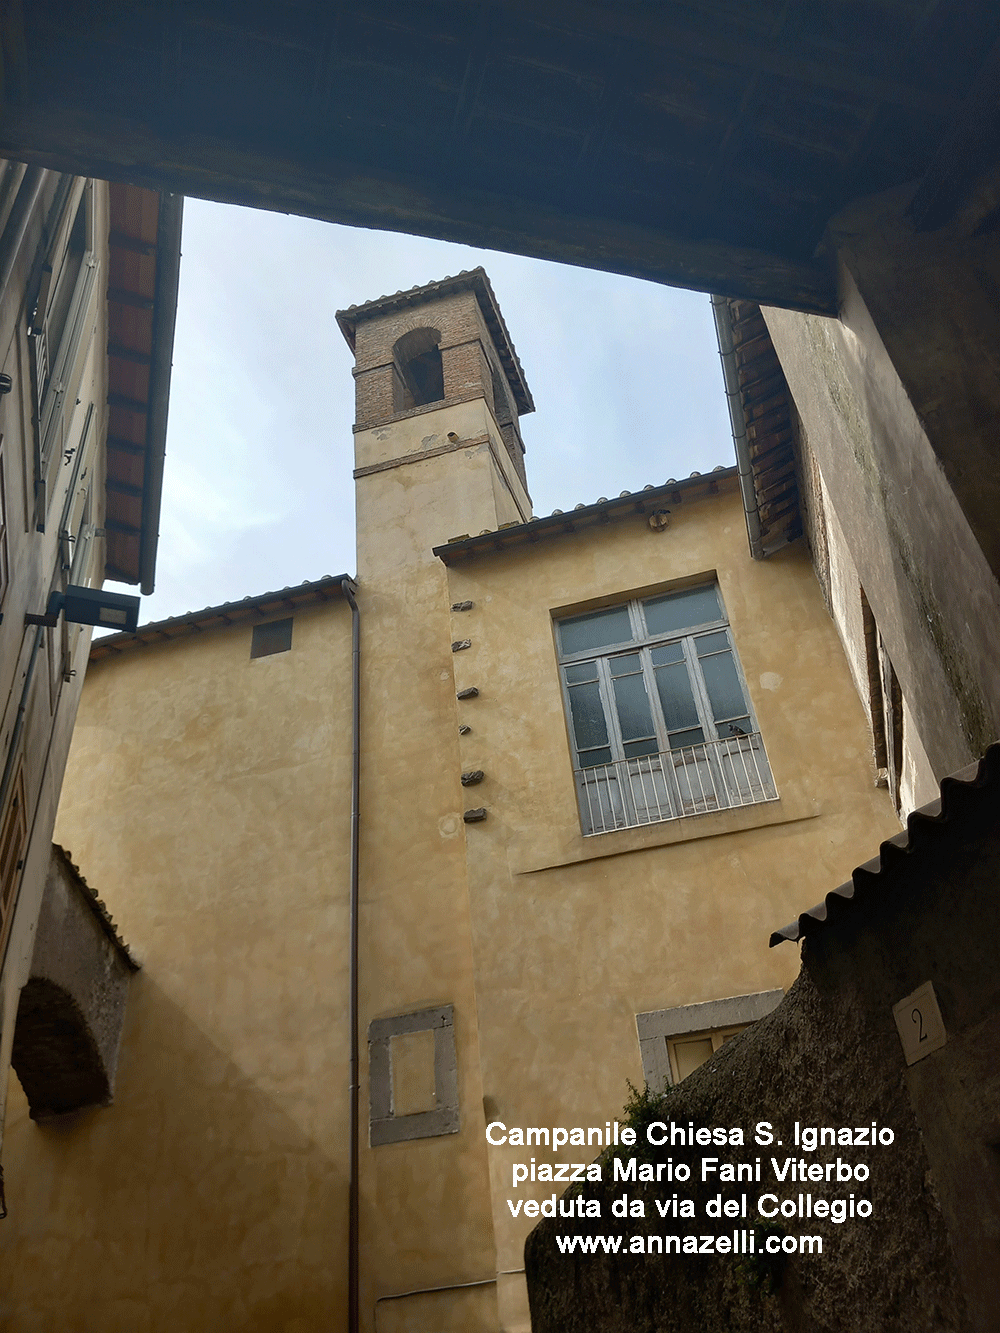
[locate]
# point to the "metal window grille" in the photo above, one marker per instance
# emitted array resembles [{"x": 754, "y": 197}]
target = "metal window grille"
[
  {"x": 694, "y": 780},
  {"x": 659, "y": 712}
]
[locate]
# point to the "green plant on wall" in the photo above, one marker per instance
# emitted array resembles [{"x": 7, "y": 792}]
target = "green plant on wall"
[{"x": 760, "y": 1271}]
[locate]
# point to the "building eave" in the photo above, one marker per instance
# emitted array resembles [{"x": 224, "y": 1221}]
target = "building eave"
[
  {"x": 650, "y": 500},
  {"x": 251, "y": 610},
  {"x": 763, "y": 424},
  {"x": 144, "y": 273}
]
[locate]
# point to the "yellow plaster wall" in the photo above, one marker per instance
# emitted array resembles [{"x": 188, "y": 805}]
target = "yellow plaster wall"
[
  {"x": 572, "y": 935},
  {"x": 212, "y": 1194}
]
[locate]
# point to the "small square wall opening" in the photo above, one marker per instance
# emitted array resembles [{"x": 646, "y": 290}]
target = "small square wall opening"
[{"x": 274, "y": 637}]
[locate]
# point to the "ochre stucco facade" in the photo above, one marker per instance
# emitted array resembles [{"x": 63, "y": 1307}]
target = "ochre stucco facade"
[{"x": 208, "y": 797}]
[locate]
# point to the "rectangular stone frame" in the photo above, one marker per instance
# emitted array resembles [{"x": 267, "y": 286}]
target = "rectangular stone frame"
[
  {"x": 655, "y": 1028},
  {"x": 384, "y": 1126}
]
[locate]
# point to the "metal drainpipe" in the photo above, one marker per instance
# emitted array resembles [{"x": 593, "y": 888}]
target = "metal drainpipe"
[
  {"x": 730, "y": 374},
  {"x": 348, "y": 588},
  {"x": 451, "y": 1286}
]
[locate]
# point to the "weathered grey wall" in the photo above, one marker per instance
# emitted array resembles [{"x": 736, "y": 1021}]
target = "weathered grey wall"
[
  {"x": 899, "y": 401},
  {"x": 71, "y": 1011},
  {"x": 830, "y": 1055}
]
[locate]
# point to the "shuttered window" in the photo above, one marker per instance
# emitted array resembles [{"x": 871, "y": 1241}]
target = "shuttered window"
[{"x": 13, "y": 842}]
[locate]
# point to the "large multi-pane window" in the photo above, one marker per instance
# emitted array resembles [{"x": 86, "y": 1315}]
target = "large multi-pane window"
[{"x": 661, "y": 723}]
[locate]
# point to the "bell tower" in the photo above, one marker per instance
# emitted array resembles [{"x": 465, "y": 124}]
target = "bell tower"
[
  {"x": 438, "y": 454},
  {"x": 439, "y": 395}
]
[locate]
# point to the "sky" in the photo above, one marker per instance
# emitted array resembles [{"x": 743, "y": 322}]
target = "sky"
[{"x": 258, "y": 492}]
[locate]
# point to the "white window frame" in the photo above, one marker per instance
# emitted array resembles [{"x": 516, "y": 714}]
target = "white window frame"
[
  {"x": 660, "y": 1029},
  {"x": 724, "y": 769}
]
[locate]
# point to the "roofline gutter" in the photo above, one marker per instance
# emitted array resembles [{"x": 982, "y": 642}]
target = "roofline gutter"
[
  {"x": 168, "y": 269},
  {"x": 230, "y": 613},
  {"x": 737, "y": 421}
]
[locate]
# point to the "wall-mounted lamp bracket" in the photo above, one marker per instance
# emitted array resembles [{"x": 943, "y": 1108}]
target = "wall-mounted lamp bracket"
[{"x": 90, "y": 606}]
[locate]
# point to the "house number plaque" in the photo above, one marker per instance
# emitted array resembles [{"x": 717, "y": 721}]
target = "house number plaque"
[{"x": 921, "y": 1027}]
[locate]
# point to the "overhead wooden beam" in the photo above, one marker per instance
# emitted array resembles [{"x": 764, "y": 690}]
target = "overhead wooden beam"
[
  {"x": 970, "y": 149},
  {"x": 347, "y": 193},
  {"x": 122, "y": 296},
  {"x": 120, "y": 240},
  {"x": 125, "y": 446},
  {"x": 124, "y": 488},
  {"x": 129, "y": 404},
  {"x": 716, "y": 43},
  {"x": 128, "y": 353}
]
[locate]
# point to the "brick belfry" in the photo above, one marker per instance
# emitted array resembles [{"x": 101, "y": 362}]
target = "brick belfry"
[{"x": 440, "y": 391}]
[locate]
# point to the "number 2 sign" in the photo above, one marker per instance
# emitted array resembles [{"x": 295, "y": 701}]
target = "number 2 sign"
[{"x": 920, "y": 1025}]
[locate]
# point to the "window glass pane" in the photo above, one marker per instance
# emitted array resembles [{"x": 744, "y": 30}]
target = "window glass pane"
[
  {"x": 682, "y": 738},
  {"x": 667, "y": 652},
  {"x": 633, "y": 707},
  {"x": 682, "y": 610},
  {"x": 579, "y": 634},
  {"x": 633, "y": 749},
  {"x": 690, "y": 1055},
  {"x": 590, "y": 758},
  {"x": 676, "y": 698},
  {"x": 738, "y": 726},
  {"x": 723, "y": 685},
  {"x": 578, "y": 671},
  {"x": 275, "y": 637},
  {"x": 712, "y": 643},
  {"x": 588, "y": 716},
  {"x": 625, "y": 666}
]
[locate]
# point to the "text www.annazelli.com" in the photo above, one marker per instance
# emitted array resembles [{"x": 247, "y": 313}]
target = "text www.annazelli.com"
[{"x": 740, "y": 1242}]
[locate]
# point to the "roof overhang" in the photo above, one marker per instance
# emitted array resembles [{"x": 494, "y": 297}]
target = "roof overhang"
[
  {"x": 251, "y": 610},
  {"x": 764, "y": 426},
  {"x": 962, "y": 794},
  {"x": 144, "y": 271},
  {"x": 649, "y": 501}
]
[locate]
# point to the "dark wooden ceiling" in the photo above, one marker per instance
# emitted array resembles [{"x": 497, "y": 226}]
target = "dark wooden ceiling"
[{"x": 703, "y": 143}]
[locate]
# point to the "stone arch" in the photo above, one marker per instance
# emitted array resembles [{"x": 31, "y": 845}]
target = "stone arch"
[{"x": 55, "y": 1055}]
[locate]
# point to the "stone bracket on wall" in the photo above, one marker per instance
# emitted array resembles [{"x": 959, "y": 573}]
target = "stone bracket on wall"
[{"x": 71, "y": 1010}]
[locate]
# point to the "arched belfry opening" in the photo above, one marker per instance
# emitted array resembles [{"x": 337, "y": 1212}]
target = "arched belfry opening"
[
  {"x": 419, "y": 376},
  {"x": 441, "y": 352}
]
